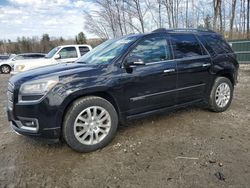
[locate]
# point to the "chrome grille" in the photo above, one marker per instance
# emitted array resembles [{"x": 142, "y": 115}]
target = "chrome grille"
[{"x": 10, "y": 95}]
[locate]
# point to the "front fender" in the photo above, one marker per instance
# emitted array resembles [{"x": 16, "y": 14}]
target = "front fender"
[{"x": 65, "y": 97}]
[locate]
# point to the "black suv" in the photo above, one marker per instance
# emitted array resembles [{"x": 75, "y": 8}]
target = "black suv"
[{"x": 122, "y": 79}]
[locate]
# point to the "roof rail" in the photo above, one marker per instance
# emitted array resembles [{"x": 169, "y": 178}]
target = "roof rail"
[
  {"x": 159, "y": 30},
  {"x": 183, "y": 30}
]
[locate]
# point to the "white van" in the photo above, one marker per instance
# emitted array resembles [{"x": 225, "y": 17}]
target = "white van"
[{"x": 60, "y": 54}]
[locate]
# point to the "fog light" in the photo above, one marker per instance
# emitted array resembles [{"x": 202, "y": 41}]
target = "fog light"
[{"x": 29, "y": 123}]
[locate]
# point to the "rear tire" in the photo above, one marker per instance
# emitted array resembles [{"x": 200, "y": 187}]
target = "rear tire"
[
  {"x": 221, "y": 95},
  {"x": 5, "y": 69},
  {"x": 90, "y": 124}
]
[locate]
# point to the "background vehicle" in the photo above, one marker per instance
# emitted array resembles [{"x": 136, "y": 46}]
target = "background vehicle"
[
  {"x": 8, "y": 64},
  {"x": 4, "y": 57},
  {"x": 60, "y": 54},
  {"x": 123, "y": 79}
]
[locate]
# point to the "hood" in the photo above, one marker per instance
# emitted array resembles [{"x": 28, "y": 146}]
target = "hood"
[
  {"x": 7, "y": 61},
  {"x": 52, "y": 70}
]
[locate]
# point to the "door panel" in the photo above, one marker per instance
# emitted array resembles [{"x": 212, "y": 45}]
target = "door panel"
[
  {"x": 150, "y": 88},
  {"x": 153, "y": 85},
  {"x": 193, "y": 78},
  {"x": 193, "y": 65}
]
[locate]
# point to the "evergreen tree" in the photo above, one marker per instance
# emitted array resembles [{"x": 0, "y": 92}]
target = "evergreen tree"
[{"x": 80, "y": 38}]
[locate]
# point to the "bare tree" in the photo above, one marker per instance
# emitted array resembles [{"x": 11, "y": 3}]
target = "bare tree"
[
  {"x": 95, "y": 25},
  {"x": 217, "y": 10},
  {"x": 119, "y": 17},
  {"x": 154, "y": 8},
  {"x": 221, "y": 21},
  {"x": 159, "y": 12},
  {"x": 248, "y": 7},
  {"x": 232, "y": 18},
  {"x": 136, "y": 11},
  {"x": 186, "y": 13}
]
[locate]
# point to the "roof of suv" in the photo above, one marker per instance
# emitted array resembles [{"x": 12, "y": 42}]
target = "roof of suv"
[{"x": 181, "y": 30}]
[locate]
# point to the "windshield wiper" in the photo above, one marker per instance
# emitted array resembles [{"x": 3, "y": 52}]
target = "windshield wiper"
[{"x": 83, "y": 62}]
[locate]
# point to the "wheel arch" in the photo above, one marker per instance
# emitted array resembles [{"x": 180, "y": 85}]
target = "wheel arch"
[
  {"x": 103, "y": 94},
  {"x": 227, "y": 74}
]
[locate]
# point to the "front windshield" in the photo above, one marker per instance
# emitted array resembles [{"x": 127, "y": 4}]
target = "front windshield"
[
  {"x": 107, "y": 51},
  {"x": 52, "y": 52}
]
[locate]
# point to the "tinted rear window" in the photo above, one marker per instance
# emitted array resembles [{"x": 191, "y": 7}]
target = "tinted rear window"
[
  {"x": 83, "y": 50},
  {"x": 36, "y": 56},
  {"x": 4, "y": 57},
  {"x": 215, "y": 44},
  {"x": 185, "y": 45},
  {"x": 33, "y": 56}
]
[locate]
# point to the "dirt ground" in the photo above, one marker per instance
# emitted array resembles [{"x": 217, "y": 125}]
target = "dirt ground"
[{"x": 187, "y": 148}]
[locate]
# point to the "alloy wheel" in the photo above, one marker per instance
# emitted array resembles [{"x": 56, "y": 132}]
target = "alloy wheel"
[
  {"x": 92, "y": 125},
  {"x": 5, "y": 69},
  {"x": 222, "y": 95}
]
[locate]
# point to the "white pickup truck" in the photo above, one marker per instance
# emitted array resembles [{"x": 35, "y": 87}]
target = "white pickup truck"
[{"x": 60, "y": 54}]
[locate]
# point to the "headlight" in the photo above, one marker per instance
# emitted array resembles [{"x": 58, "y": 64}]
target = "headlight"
[
  {"x": 35, "y": 90},
  {"x": 19, "y": 67}
]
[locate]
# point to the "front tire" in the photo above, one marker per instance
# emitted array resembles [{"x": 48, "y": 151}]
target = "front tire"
[
  {"x": 221, "y": 95},
  {"x": 90, "y": 124},
  {"x": 5, "y": 69}
]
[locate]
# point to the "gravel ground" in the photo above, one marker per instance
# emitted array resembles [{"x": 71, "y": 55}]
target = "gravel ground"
[{"x": 187, "y": 148}]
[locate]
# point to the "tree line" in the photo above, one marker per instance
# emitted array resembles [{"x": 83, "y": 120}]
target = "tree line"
[
  {"x": 43, "y": 45},
  {"x": 114, "y": 18}
]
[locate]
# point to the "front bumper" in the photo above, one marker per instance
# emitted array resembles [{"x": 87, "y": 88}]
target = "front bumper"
[
  {"x": 53, "y": 133},
  {"x": 12, "y": 73},
  {"x": 41, "y": 119}
]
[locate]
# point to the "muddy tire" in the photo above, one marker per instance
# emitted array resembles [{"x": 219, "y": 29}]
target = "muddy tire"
[
  {"x": 90, "y": 124},
  {"x": 221, "y": 95}
]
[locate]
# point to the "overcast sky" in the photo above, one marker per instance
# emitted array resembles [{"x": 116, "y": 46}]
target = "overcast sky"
[{"x": 35, "y": 17}]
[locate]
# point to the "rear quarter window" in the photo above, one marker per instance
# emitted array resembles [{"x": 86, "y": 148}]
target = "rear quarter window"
[{"x": 216, "y": 44}]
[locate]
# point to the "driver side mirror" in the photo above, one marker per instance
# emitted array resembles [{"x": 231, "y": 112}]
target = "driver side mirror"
[
  {"x": 57, "y": 56},
  {"x": 133, "y": 61}
]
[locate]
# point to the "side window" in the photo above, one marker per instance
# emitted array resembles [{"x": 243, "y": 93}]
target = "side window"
[
  {"x": 185, "y": 46},
  {"x": 19, "y": 57},
  {"x": 83, "y": 50},
  {"x": 35, "y": 56},
  {"x": 28, "y": 56},
  {"x": 152, "y": 50},
  {"x": 68, "y": 52},
  {"x": 216, "y": 45}
]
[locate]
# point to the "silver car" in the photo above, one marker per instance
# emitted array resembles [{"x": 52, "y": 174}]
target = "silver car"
[{"x": 7, "y": 65}]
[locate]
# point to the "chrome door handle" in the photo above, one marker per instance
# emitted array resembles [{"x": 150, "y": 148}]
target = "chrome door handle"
[
  {"x": 169, "y": 70},
  {"x": 206, "y": 64}
]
